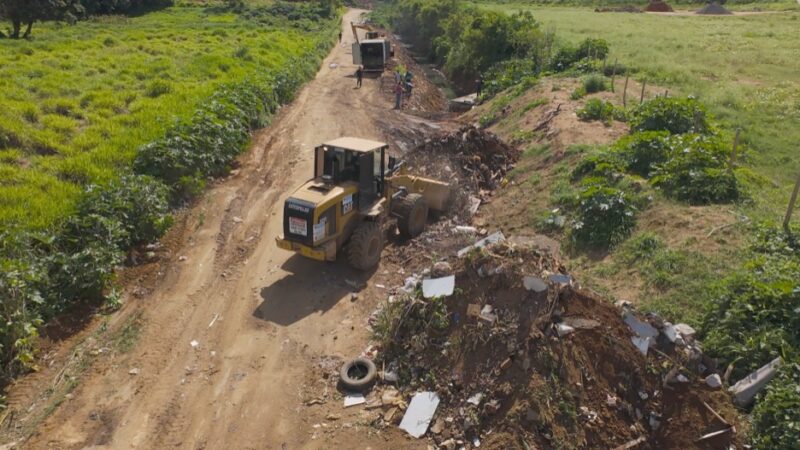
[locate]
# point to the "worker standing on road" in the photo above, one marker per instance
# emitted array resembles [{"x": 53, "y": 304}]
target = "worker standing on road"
[
  {"x": 479, "y": 85},
  {"x": 340, "y": 37},
  {"x": 398, "y": 95},
  {"x": 359, "y": 76}
]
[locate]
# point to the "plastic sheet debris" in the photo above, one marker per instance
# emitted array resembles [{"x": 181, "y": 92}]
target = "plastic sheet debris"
[
  {"x": 473, "y": 310},
  {"x": 410, "y": 284},
  {"x": 642, "y": 329},
  {"x": 642, "y": 343},
  {"x": 488, "y": 240},
  {"x": 487, "y": 314},
  {"x": 670, "y": 332},
  {"x": 194, "y": 344},
  {"x": 474, "y": 204},
  {"x": 564, "y": 329},
  {"x": 534, "y": 284},
  {"x": 466, "y": 229},
  {"x": 438, "y": 287},
  {"x": 420, "y": 413},
  {"x": 746, "y": 389},
  {"x": 353, "y": 399},
  {"x": 560, "y": 278},
  {"x": 476, "y": 399}
]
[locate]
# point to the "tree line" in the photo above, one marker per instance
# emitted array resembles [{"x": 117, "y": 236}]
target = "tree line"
[{"x": 23, "y": 13}]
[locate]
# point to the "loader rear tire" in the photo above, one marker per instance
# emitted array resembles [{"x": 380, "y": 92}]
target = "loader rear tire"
[
  {"x": 412, "y": 214},
  {"x": 366, "y": 244}
]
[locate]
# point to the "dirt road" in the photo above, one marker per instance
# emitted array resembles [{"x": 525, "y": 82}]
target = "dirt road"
[{"x": 260, "y": 317}]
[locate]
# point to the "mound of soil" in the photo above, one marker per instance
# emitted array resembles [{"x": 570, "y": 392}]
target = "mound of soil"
[
  {"x": 473, "y": 160},
  {"x": 713, "y": 9},
  {"x": 658, "y": 6},
  {"x": 507, "y": 376}
]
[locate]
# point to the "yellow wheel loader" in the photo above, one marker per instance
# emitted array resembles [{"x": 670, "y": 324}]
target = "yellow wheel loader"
[{"x": 356, "y": 195}]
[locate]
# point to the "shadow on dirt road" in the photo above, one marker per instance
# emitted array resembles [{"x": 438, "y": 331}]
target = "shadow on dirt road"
[{"x": 310, "y": 287}]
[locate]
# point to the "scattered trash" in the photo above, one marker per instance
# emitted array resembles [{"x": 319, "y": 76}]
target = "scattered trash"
[
  {"x": 353, "y": 399},
  {"x": 746, "y": 389},
  {"x": 560, "y": 278},
  {"x": 654, "y": 421},
  {"x": 580, "y": 322},
  {"x": 194, "y": 344},
  {"x": 642, "y": 329},
  {"x": 611, "y": 400},
  {"x": 563, "y": 329},
  {"x": 476, "y": 399},
  {"x": 391, "y": 397},
  {"x": 441, "y": 269},
  {"x": 466, "y": 229},
  {"x": 438, "y": 287},
  {"x": 642, "y": 343},
  {"x": 487, "y": 314},
  {"x": 333, "y": 65},
  {"x": 473, "y": 310},
  {"x": 380, "y": 286},
  {"x": 681, "y": 378},
  {"x": 353, "y": 296},
  {"x": 419, "y": 414},
  {"x": 238, "y": 220},
  {"x": 685, "y": 330},
  {"x": 134, "y": 371},
  {"x": 213, "y": 320},
  {"x": 714, "y": 434},
  {"x": 714, "y": 381},
  {"x": 631, "y": 444},
  {"x": 588, "y": 414},
  {"x": 534, "y": 284},
  {"x": 182, "y": 258},
  {"x": 476, "y": 442},
  {"x": 358, "y": 375},
  {"x": 437, "y": 427},
  {"x": 410, "y": 284},
  {"x": 488, "y": 240},
  {"x": 474, "y": 204}
]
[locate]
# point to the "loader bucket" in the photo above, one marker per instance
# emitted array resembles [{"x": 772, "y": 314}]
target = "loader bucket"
[{"x": 436, "y": 193}]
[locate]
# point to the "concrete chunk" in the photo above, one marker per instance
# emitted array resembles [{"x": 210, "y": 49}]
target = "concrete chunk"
[
  {"x": 642, "y": 329},
  {"x": 488, "y": 240},
  {"x": 748, "y": 387}
]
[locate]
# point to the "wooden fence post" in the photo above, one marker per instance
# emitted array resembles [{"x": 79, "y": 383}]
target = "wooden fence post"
[
  {"x": 625, "y": 91},
  {"x": 790, "y": 209},
  {"x": 641, "y": 98},
  {"x": 613, "y": 74}
]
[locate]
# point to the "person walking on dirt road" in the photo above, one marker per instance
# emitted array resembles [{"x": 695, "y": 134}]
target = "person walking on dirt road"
[
  {"x": 359, "y": 76},
  {"x": 398, "y": 95},
  {"x": 340, "y": 37}
]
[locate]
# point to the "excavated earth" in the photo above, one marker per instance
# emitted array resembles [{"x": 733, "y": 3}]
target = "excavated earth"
[{"x": 225, "y": 341}]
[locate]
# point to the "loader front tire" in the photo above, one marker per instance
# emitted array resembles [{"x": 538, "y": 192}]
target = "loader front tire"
[
  {"x": 366, "y": 244},
  {"x": 412, "y": 215}
]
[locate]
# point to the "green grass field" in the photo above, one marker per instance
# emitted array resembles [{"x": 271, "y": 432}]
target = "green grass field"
[
  {"x": 77, "y": 101},
  {"x": 745, "y": 68}
]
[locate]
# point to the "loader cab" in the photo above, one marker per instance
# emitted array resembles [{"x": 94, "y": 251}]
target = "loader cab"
[{"x": 353, "y": 161}]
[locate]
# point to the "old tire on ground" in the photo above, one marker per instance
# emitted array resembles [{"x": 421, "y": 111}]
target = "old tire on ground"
[
  {"x": 412, "y": 214},
  {"x": 366, "y": 244},
  {"x": 358, "y": 375}
]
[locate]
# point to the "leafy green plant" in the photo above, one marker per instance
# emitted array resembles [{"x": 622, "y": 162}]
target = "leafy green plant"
[
  {"x": 599, "y": 165},
  {"x": 640, "y": 152},
  {"x": 672, "y": 114},
  {"x": 776, "y": 416},
  {"x": 604, "y": 217},
  {"x": 578, "y": 93},
  {"x": 594, "y": 83},
  {"x": 596, "y": 109},
  {"x": 696, "y": 171},
  {"x": 158, "y": 88}
]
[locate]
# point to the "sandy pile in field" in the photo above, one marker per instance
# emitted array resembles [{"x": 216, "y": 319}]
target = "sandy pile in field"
[
  {"x": 713, "y": 9},
  {"x": 658, "y": 6}
]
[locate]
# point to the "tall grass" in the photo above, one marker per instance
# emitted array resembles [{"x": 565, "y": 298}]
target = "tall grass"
[
  {"x": 77, "y": 101},
  {"x": 744, "y": 68}
]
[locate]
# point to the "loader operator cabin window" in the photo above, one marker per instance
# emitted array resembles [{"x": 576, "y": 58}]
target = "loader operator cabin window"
[{"x": 341, "y": 164}]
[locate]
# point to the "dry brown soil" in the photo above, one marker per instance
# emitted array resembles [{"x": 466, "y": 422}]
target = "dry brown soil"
[{"x": 262, "y": 318}]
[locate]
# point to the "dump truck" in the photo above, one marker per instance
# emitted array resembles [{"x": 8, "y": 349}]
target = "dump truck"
[
  {"x": 374, "y": 52},
  {"x": 357, "y": 194}
]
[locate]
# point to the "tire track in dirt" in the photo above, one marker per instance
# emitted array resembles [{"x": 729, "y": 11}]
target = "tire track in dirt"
[{"x": 259, "y": 314}]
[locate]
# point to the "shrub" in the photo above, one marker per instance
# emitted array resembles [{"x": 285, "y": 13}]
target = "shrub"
[
  {"x": 138, "y": 202},
  {"x": 605, "y": 216},
  {"x": 593, "y": 48},
  {"x": 596, "y": 109},
  {"x": 18, "y": 319},
  {"x": 696, "y": 171},
  {"x": 578, "y": 93},
  {"x": 671, "y": 114},
  {"x": 564, "y": 58},
  {"x": 641, "y": 152},
  {"x": 594, "y": 83},
  {"x": 776, "y": 417},
  {"x": 568, "y": 57},
  {"x": 601, "y": 165}
]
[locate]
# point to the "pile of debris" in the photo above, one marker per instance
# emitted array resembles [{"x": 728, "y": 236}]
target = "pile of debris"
[
  {"x": 476, "y": 161},
  {"x": 658, "y": 6},
  {"x": 500, "y": 347},
  {"x": 713, "y": 9}
]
